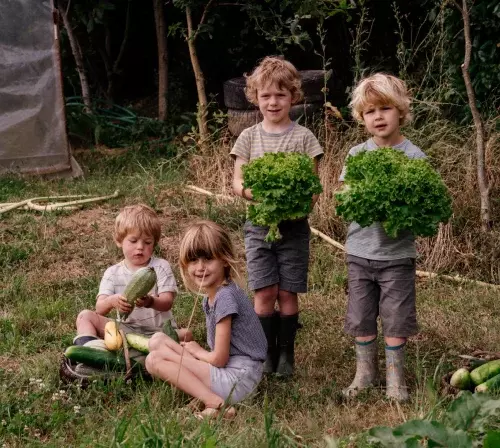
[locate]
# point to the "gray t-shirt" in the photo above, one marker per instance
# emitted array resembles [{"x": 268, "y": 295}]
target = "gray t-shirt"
[
  {"x": 254, "y": 142},
  {"x": 247, "y": 335},
  {"x": 372, "y": 242},
  {"x": 116, "y": 278}
]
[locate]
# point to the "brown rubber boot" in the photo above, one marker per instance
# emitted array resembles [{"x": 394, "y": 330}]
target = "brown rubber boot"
[
  {"x": 366, "y": 368},
  {"x": 396, "y": 385}
]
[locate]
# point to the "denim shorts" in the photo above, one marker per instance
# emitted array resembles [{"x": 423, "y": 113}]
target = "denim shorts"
[
  {"x": 385, "y": 289},
  {"x": 237, "y": 380},
  {"x": 284, "y": 262}
]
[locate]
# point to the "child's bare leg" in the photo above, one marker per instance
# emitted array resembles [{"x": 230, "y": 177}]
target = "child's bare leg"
[
  {"x": 264, "y": 300},
  {"x": 392, "y": 342},
  {"x": 289, "y": 319},
  {"x": 165, "y": 364},
  {"x": 160, "y": 341},
  {"x": 89, "y": 325},
  {"x": 288, "y": 302}
]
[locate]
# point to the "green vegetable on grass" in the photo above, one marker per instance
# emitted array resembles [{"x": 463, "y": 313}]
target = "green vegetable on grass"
[
  {"x": 401, "y": 193},
  {"x": 282, "y": 185}
]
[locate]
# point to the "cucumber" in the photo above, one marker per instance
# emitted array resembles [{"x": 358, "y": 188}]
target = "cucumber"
[
  {"x": 483, "y": 373},
  {"x": 461, "y": 379},
  {"x": 493, "y": 384},
  {"x": 138, "y": 341},
  {"x": 139, "y": 285},
  {"x": 169, "y": 330},
  {"x": 94, "y": 357}
]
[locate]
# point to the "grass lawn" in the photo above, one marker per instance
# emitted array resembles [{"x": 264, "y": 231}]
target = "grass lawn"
[{"x": 50, "y": 268}]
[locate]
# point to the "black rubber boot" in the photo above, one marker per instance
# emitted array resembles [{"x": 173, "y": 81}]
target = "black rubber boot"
[
  {"x": 270, "y": 325},
  {"x": 286, "y": 343}
]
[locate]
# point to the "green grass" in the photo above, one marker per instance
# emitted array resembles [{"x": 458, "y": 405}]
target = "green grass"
[{"x": 50, "y": 268}]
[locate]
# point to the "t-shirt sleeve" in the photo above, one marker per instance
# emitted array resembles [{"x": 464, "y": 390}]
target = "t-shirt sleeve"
[
  {"x": 165, "y": 277},
  {"x": 242, "y": 146},
  {"x": 107, "y": 286},
  {"x": 312, "y": 146},
  {"x": 226, "y": 305}
]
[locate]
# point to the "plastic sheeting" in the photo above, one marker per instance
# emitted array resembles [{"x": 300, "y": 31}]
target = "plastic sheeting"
[{"x": 32, "y": 123}]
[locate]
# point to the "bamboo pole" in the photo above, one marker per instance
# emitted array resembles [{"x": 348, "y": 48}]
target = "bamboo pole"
[{"x": 420, "y": 274}]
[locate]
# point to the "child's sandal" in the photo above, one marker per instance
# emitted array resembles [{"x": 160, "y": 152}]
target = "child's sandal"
[{"x": 213, "y": 413}]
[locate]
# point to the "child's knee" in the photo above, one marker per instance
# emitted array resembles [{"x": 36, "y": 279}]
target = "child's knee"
[
  {"x": 155, "y": 341},
  {"x": 267, "y": 294},
  {"x": 85, "y": 315}
]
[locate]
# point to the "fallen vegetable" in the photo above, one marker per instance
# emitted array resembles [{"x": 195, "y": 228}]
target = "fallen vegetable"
[
  {"x": 282, "y": 185},
  {"x": 401, "y": 193},
  {"x": 483, "y": 373},
  {"x": 112, "y": 337},
  {"x": 461, "y": 379},
  {"x": 491, "y": 385}
]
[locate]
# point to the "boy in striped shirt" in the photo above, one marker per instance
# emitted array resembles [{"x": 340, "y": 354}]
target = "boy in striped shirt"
[{"x": 277, "y": 271}]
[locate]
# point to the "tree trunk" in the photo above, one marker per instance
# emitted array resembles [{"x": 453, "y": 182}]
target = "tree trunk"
[
  {"x": 77, "y": 54},
  {"x": 200, "y": 81},
  {"x": 482, "y": 176},
  {"x": 161, "y": 39}
]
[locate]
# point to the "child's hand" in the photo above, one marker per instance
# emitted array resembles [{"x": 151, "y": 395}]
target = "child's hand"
[
  {"x": 120, "y": 303},
  {"x": 192, "y": 347},
  {"x": 146, "y": 301}
]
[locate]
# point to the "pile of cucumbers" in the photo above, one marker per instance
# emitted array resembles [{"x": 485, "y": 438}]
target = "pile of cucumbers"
[{"x": 485, "y": 378}]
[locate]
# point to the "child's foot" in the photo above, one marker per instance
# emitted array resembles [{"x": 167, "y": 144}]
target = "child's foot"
[{"x": 213, "y": 413}]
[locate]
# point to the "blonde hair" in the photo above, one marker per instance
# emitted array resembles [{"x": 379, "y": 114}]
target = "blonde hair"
[
  {"x": 206, "y": 239},
  {"x": 381, "y": 88},
  {"x": 140, "y": 218},
  {"x": 274, "y": 69}
]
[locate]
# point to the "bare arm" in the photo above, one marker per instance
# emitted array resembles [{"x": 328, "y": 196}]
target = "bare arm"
[
  {"x": 220, "y": 356},
  {"x": 106, "y": 303},
  {"x": 238, "y": 180},
  {"x": 161, "y": 302}
]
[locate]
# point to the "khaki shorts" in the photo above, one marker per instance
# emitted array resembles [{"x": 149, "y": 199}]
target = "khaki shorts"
[
  {"x": 237, "y": 380},
  {"x": 385, "y": 289},
  {"x": 284, "y": 262}
]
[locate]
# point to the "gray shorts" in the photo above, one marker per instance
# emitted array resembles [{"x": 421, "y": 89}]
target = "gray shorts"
[
  {"x": 284, "y": 262},
  {"x": 385, "y": 289},
  {"x": 237, "y": 380}
]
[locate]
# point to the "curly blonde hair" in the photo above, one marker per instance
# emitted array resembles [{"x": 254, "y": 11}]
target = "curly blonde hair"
[
  {"x": 206, "y": 239},
  {"x": 381, "y": 88},
  {"x": 274, "y": 69},
  {"x": 140, "y": 218}
]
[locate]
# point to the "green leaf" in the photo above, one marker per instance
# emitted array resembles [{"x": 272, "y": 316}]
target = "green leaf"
[
  {"x": 472, "y": 411},
  {"x": 492, "y": 440}
]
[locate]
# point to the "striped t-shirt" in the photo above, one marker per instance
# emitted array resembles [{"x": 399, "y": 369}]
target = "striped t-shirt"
[
  {"x": 372, "y": 242},
  {"x": 247, "y": 335},
  {"x": 254, "y": 142},
  {"x": 116, "y": 278}
]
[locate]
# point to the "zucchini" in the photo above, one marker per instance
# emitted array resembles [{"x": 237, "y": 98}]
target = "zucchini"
[
  {"x": 143, "y": 280},
  {"x": 461, "y": 379},
  {"x": 138, "y": 341},
  {"x": 169, "y": 330},
  {"x": 94, "y": 357},
  {"x": 493, "y": 384},
  {"x": 483, "y": 373}
]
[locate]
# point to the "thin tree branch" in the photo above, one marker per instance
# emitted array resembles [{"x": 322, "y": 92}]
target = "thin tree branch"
[{"x": 204, "y": 15}]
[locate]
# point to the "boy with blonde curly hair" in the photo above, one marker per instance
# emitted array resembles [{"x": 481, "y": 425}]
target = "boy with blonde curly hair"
[
  {"x": 381, "y": 269},
  {"x": 137, "y": 231},
  {"x": 277, "y": 271}
]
